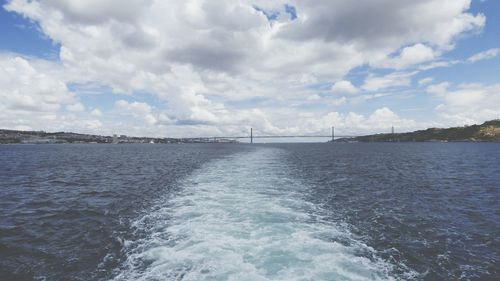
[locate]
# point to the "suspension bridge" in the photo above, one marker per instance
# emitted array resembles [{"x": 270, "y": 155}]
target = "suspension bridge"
[{"x": 253, "y": 136}]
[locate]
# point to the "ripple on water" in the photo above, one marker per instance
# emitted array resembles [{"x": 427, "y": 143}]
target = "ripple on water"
[{"x": 243, "y": 218}]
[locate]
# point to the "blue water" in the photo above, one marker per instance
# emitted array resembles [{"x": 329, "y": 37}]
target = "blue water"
[{"x": 409, "y": 211}]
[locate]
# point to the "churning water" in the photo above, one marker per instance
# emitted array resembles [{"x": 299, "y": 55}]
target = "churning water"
[
  {"x": 244, "y": 218},
  {"x": 239, "y": 212}
]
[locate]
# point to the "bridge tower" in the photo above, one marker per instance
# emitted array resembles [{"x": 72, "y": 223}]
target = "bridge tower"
[
  {"x": 251, "y": 135},
  {"x": 333, "y": 133}
]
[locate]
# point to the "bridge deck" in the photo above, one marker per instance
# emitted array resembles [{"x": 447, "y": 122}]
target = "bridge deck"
[{"x": 272, "y": 136}]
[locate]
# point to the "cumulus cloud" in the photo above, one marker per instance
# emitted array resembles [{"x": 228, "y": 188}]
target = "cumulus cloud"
[
  {"x": 96, "y": 112},
  {"x": 238, "y": 38},
  {"x": 409, "y": 56},
  {"x": 32, "y": 99},
  {"x": 25, "y": 89},
  {"x": 344, "y": 87},
  {"x": 29, "y": 96},
  {"x": 339, "y": 101},
  {"x": 367, "y": 23},
  {"x": 197, "y": 57},
  {"x": 438, "y": 89},
  {"x": 380, "y": 120},
  {"x": 468, "y": 103},
  {"x": 76, "y": 107},
  {"x": 137, "y": 109},
  {"x": 314, "y": 97}
]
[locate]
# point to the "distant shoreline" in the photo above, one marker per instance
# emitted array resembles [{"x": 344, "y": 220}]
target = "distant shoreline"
[
  {"x": 487, "y": 132},
  {"x": 41, "y": 137}
]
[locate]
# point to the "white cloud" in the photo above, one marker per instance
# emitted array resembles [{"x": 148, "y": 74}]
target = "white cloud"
[
  {"x": 409, "y": 56},
  {"x": 75, "y": 107},
  {"x": 344, "y": 87},
  {"x": 469, "y": 103},
  {"x": 22, "y": 128},
  {"x": 138, "y": 109},
  {"x": 438, "y": 64},
  {"x": 313, "y": 97},
  {"x": 331, "y": 37},
  {"x": 383, "y": 115},
  {"x": 469, "y": 96},
  {"x": 198, "y": 56},
  {"x": 92, "y": 125},
  {"x": 366, "y": 97},
  {"x": 380, "y": 120},
  {"x": 436, "y": 22},
  {"x": 33, "y": 99},
  {"x": 29, "y": 97},
  {"x": 96, "y": 112},
  {"x": 425, "y": 81},
  {"x": 438, "y": 89},
  {"x": 23, "y": 88},
  {"x": 339, "y": 101},
  {"x": 392, "y": 80},
  {"x": 488, "y": 54}
]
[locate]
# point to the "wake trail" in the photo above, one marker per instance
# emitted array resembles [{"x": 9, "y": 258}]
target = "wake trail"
[{"x": 244, "y": 217}]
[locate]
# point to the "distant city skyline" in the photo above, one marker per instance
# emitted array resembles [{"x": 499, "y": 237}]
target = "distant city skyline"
[{"x": 207, "y": 68}]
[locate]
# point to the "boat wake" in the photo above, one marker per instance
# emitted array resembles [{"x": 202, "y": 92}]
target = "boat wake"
[{"x": 244, "y": 217}]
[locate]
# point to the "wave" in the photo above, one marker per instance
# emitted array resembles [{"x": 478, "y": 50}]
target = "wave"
[{"x": 244, "y": 217}]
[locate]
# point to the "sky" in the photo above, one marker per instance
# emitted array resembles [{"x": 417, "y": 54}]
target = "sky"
[{"x": 187, "y": 68}]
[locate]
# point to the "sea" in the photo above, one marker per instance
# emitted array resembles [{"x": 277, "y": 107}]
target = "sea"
[{"x": 309, "y": 211}]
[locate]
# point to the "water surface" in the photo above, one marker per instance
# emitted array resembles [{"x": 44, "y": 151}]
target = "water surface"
[{"x": 410, "y": 211}]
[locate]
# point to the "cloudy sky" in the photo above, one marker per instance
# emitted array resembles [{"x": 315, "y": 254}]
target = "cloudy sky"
[{"x": 218, "y": 67}]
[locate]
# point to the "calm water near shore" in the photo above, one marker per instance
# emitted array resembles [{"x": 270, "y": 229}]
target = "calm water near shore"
[{"x": 361, "y": 211}]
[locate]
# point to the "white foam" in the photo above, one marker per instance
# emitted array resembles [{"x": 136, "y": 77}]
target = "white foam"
[{"x": 244, "y": 218}]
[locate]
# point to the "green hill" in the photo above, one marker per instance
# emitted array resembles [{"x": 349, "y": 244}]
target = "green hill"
[{"x": 488, "y": 131}]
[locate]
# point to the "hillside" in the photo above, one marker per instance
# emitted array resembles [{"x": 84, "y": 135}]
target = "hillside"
[
  {"x": 41, "y": 137},
  {"x": 488, "y": 131}
]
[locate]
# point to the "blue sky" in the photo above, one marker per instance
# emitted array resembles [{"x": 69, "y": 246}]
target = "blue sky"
[
  {"x": 23, "y": 36},
  {"x": 221, "y": 67}
]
